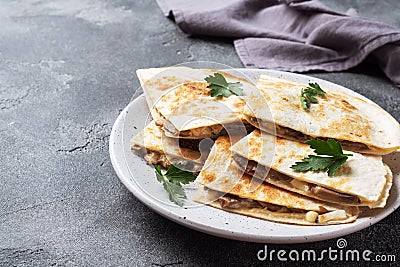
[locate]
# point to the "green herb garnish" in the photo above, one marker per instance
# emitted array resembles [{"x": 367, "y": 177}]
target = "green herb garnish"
[
  {"x": 334, "y": 157},
  {"x": 172, "y": 181},
  {"x": 220, "y": 87},
  {"x": 309, "y": 93}
]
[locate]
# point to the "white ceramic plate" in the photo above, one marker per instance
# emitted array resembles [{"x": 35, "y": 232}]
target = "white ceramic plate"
[{"x": 140, "y": 179}]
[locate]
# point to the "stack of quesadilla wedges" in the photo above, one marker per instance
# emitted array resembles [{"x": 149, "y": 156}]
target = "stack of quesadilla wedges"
[
  {"x": 227, "y": 187},
  {"x": 259, "y": 139},
  {"x": 364, "y": 180},
  {"x": 180, "y": 102},
  {"x": 359, "y": 125},
  {"x": 184, "y": 114}
]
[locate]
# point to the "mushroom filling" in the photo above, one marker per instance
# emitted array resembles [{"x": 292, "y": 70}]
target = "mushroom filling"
[
  {"x": 231, "y": 202},
  {"x": 212, "y": 131},
  {"x": 286, "y": 132},
  {"x": 271, "y": 176},
  {"x": 192, "y": 144}
]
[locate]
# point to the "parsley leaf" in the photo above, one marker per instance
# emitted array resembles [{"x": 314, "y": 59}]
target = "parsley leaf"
[
  {"x": 176, "y": 175},
  {"x": 329, "y": 148},
  {"x": 313, "y": 163},
  {"x": 220, "y": 87},
  {"x": 332, "y": 160},
  {"x": 172, "y": 180},
  {"x": 308, "y": 95},
  {"x": 335, "y": 165}
]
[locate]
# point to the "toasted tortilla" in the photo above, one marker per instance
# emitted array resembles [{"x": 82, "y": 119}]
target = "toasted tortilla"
[
  {"x": 358, "y": 124},
  {"x": 364, "y": 177},
  {"x": 158, "y": 149},
  {"x": 219, "y": 176},
  {"x": 157, "y": 81},
  {"x": 180, "y": 99}
]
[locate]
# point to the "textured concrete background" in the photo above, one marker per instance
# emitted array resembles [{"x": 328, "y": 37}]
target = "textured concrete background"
[{"x": 67, "y": 68}]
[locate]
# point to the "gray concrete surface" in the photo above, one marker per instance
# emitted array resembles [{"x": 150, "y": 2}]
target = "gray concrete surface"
[{"x": 67, "y": 68}]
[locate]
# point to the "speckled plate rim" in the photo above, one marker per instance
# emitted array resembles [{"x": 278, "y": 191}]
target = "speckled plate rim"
[{"x": 215, "y": 222}]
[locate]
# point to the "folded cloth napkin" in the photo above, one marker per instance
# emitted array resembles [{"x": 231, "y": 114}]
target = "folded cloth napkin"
[{"x": 291, "y": 36}]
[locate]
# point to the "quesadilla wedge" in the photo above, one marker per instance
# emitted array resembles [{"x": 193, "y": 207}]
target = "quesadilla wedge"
[
  {"x": 158, "y": 149},
  {"x": 358, "y": 124},
  {"x": 180, "y": 101},
  {"x": 227, "y": 188},
  {"x": 364, "y": 180}
]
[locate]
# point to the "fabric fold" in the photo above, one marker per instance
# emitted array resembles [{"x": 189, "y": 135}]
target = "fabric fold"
[{"x": 295, "y": 36}]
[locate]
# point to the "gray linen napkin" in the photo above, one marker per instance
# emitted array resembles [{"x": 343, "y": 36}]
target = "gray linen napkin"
[{"x": 294, "y": 36}]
